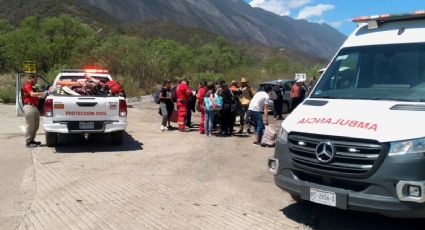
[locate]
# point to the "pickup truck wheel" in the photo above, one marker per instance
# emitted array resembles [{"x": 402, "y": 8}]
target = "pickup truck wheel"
[
  {"x": 117, "y": 137},
  {"x": 51, "y": 139},
  {"x": 285, "y": 108}
]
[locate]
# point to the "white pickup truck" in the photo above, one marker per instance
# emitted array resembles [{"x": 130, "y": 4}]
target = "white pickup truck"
[{"x": 66, "y": 113}]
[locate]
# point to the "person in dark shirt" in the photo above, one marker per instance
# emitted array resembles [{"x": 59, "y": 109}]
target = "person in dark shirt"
[
  {"x": 229, "y": 111},
  {"x": 278, "y": 102},
  {"x": 191, "y": 103},
  {"x": 166, "y": 105}
]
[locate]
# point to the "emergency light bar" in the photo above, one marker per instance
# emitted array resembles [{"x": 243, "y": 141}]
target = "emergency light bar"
[
  {"x": 390, "y": 17},
  {"x": 96, "y": 71},
  {"x": 84, "y": 71}
]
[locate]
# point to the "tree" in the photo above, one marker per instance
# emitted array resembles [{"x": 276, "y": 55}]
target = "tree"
[
  {"x": 217, "y": 56},
  {"x": 5, "y": 27},
  {"x": 48, "y": 42}
]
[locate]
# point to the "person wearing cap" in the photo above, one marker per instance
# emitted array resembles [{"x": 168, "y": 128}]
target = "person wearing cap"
[
  {"x": 32, "y": 115},
  {"x": 246, "y": 96},
  {"x": 166, "y": 105},
  {"x": 297, "y": 93}
]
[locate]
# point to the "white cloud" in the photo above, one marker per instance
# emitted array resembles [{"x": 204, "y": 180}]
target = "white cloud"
[
  {"x": 337, "y": 24},
  {"x": 314, "y": 11},
  {"x": 280, "y": 7}
]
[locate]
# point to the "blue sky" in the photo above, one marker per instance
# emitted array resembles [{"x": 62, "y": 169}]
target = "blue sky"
[{"x": 337, "y": 13}]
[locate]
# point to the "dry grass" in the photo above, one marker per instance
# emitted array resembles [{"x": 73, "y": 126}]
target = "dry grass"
[
  {"x": 7, "y": 80},
  {"x": 7, "y": 88}
]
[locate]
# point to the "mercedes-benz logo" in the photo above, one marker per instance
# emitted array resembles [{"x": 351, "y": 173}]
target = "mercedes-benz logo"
[{"x": 325, "y": 152}]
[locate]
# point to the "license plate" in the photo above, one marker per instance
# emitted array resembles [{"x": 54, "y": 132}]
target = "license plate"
[
  {"x": 86, "y": 125},
  {"x": 323, "y": 197}
]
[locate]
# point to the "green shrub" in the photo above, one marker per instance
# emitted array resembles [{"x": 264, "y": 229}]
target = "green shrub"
[
  {"x": 7, "y": 95},
  {"x": 208, "y": 77},
  {"x": 131, "y": 86}
]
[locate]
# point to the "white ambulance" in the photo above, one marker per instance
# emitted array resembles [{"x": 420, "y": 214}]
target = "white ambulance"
[{"x": 358, "y": 141}]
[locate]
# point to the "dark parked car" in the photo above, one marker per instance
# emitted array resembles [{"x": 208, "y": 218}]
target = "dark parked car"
[{"x": 287, "y": 86}]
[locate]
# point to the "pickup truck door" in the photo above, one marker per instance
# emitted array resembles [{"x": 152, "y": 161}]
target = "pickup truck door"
[{"x": 42, "y": 85}]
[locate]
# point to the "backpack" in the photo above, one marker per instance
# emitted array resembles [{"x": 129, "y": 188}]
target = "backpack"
[
  {"x": 269, "y": 137},
  {"x": 156, "y": 96},
  {"x": 217, "y": 104},
  {"x": 213, "y": 105}
]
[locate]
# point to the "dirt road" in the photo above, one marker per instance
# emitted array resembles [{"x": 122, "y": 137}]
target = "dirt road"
[{"x": 156, "y": 180}]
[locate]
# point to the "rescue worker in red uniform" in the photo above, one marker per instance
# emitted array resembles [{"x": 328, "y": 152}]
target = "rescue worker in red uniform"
[
  {"x": 183, "y": 91},
  {"x": 32, "y": 115},
  {"x": 200, "y": 96}
]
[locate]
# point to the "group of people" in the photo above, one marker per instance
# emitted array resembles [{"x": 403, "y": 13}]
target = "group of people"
[{"x": 219, "y": 105}]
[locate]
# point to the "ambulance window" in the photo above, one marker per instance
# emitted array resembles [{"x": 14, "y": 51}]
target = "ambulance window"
[
  {"x": 347, "y": 72},
  {"x": 381, "y": 72},
  {"x": 342, "y": 74}
]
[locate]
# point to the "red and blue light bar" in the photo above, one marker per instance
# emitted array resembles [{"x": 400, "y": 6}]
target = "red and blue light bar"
[{"x": 391, "y": 17}]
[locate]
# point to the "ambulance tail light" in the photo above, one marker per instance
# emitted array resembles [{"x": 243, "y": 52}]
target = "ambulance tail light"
[
  {"x": 123, "y": 108},
  {"x": 48, "y": 108}
]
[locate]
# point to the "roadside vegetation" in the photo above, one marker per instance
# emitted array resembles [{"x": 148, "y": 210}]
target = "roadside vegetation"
[{"x": 140, "y": 63}]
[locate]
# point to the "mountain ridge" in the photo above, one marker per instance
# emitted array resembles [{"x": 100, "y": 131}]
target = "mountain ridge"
[{"x": 234, "y": 19}]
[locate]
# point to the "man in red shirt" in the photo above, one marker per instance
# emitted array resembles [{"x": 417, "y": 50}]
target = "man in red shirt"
[
  {"x": 32, "y": 115},
  {"x": 183, "y": 92}
]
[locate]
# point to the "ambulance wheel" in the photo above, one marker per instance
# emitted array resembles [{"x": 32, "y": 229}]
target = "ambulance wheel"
[
  {"x": 298, "y": 199},
  {"x": 51, "y": 139},
  {"x": 117, "y": 138}
]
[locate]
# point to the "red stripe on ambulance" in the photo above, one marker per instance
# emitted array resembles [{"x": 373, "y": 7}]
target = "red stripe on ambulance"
[{"x": 341, "y": 122}]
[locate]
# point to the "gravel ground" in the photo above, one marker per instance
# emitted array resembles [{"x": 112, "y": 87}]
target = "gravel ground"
[{"x": 155, "y": 180}]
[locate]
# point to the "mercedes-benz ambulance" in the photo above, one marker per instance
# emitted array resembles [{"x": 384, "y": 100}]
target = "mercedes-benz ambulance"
[{"x": 358, "y": 141}]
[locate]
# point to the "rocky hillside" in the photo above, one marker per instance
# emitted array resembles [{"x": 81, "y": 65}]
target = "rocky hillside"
[{"x": 233, "y": 19}]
